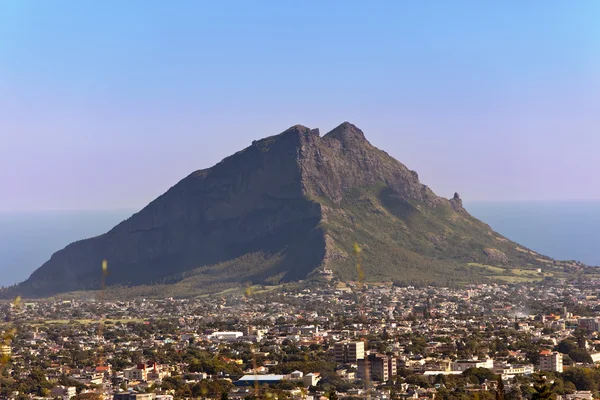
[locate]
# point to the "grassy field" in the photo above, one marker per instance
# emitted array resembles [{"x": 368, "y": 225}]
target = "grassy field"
[
  {"x": 515, "y": 279},
  {"x": 491, "y": 268},
  {"x": 254, "y": 289},
  {"x": 512, "y": 275}
]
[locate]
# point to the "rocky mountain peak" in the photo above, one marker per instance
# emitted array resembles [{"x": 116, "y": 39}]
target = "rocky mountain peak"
[
  {"x": 347, "y": 134},
  {"x": 456, "y": 203}
]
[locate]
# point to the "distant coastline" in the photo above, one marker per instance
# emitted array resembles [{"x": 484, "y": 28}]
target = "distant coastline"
[
  {"x": 560, "y": 229},
  {"x": 565, "y": 230},
  {"x": 28, "y": 239}
]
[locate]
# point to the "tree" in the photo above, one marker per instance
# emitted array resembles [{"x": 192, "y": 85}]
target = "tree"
[
  {"x": 333, "y": 395},
  {"x": 480, "y": 375},
  {"x": 542, "y": 390},
  {"x": 567, "y": 346},
  {"x": 581, "y": 356},
  {"x": 500, "y": 394}
]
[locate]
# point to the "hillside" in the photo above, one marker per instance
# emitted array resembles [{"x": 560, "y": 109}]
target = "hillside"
[{"x": 282, "y": 208}]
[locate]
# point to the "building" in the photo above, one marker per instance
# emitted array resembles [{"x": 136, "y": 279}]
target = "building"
[
  {"x": 311, "y": 379},
  {"x": 595, "y": 357},
  {"x": 578, "y": 395},
  {"x": 5, "y": 350},
  {"x": 229, "y": 336},
  {"x": 463, "y": 365},
  {"x": 381, "y": 367},
  {"x": 551, "y": 361},
  {"x": 89, "y": 379},
  {"x": 250, "y": 380},
  {"x": 137, "y": 373},
  {"x": 588, "y": 324},
  {"x": 134, "y": 396},
  {"x": 296, "y": 375},
  {"x": 157, "y": 372},
  {"x": 104, "y": 369},
  {"x": 508, "y": 370},
  {"x": 349, "y": 352},
  {"x": 346, "y": 374},
  {"x": 63, "y": 392}
]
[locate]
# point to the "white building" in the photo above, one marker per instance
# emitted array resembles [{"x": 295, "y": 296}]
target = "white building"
[
  {"x": 579, "y": 395},
  {"x": 551, "y": 361},
  {"x": 311, "y": 379},
  {"x": 463, "y": 365},
  {"x": 138, "y": 373},
  {"x": 509, "y": 370},
  {"x": 226, "y": 335},
  {"x": 64, "y": 392},
  {"x": 595, "y": 357},
  {"x": 296, "y": 375}
]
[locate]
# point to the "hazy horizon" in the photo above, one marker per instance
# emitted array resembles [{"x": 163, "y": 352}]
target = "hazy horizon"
[{"x": 553, "y": 228}]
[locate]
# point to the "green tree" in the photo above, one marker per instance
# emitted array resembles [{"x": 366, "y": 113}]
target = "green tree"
[
  {"x": 542, "y": 390},
  {"x": 500, "y": 393}
]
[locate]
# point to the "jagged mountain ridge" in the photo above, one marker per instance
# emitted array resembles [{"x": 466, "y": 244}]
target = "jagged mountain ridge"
[{"x": 299, "y": 200}]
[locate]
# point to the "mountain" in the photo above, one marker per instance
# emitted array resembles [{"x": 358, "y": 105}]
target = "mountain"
[{"x": 281, "y": 209}]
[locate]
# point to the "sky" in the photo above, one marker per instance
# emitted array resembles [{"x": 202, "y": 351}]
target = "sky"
[{"x": 105, "y": 105}]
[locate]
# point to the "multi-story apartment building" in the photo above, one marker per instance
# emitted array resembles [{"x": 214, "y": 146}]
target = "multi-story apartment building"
[
  {"x": 380, "y": 367},
  {"x": 551, "y": 361},
  {"x": 349, "y": 352},
  {"x": 138, "y": 373},
  {"x": 589, "y": 324}
]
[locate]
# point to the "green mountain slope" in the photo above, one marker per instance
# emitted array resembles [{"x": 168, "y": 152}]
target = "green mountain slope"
[{"x": 409, "y": 242}]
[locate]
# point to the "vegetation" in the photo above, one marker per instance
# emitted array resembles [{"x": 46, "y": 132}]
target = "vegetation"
[{"x": 411, "y": 242}]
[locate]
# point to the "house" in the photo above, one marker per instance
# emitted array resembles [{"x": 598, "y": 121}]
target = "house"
[
  {"x": 311, "y": 379},
  {"x": 137, "y": 373},
  {"x": 296, "y": 375},
  {"x": 578, "y": 395},
  {"x": 64, "y": 392},
  {"x": 156, "y": 372},
  {"x": 227, "y": 336},
  {"x": 463, "y": 365}
]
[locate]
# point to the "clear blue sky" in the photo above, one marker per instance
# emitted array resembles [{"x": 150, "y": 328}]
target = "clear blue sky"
[{"x": 106, "y": 104}]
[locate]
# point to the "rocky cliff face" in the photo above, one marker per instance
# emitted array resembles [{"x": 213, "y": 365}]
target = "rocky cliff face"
[
  {"x": 296, "y": 195},
  {"x": 251, "y": 201},
  {"x": 343, "y": 159}
]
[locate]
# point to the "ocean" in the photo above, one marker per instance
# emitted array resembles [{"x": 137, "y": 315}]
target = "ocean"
[
  {"x": 28, "y": 239},
  {"x": 565, "y": 230},
  {"x": 562, "y": 230}
]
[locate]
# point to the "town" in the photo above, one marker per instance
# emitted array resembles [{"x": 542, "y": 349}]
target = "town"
[{"x": 311, "y": 341}]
